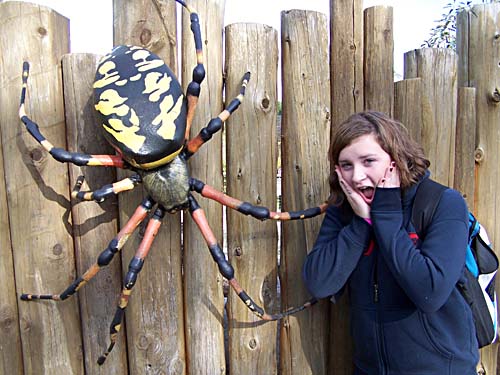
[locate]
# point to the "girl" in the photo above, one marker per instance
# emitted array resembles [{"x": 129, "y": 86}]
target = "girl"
[{"x": 407, "y": 316}]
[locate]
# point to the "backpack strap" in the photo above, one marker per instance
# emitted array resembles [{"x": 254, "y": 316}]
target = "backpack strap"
[{"x": 425, "y": 203}]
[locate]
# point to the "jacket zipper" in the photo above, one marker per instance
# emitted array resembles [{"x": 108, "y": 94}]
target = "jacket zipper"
[
  {"x": 376, "y": 298},
  {"x": 375, "y": 282}
]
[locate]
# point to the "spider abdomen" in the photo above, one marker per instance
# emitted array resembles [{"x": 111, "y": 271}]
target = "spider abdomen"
[
  {"x": 169, "y": 185},
  {"x": 141, "y": 106}
]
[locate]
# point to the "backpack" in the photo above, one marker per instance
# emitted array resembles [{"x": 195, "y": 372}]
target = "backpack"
[{"x": 481, "y": 263}]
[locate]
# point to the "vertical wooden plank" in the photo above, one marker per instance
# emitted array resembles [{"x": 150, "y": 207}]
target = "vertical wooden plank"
[
  {"x": 251, "y": 176},
  {"x": 408, "y": 106},
  {"x": 438, "y": 70},
  {"x": 204, "y": 299},
  {"x": 481, "y": 69},
  {"x": 11, "y": 356},
  {"x": 94, "y": 225},
  {"x": 465, "y": 144},
  {"x": 379, "y": 59},
  {"x": 462, "y": 48},
  {"x": 37, "y": 186},
  {"x": 305, "y": 140},
  {"x": 346, "y": 63},
  {"x": 346, "y": 49},
  {"x": 149, "y": 24},
  {"x": 154, "y": 316}
]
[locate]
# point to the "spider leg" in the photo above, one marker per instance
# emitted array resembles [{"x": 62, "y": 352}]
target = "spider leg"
[
  {"x": 104, "y": 258},
  {"x": 58, "y": 153},
  {"x": 101, "y": 194},
  {"x": 194, "y": 87},
  {"x": 227, "y": 270},
  {"x": 258, "y": 212},
  {"x": 134, "y": 268},
  {"x": 215, "y": 124}
]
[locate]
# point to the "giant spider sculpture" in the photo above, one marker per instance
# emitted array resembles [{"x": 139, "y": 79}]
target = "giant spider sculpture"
[{"x": 147, "y": 119}]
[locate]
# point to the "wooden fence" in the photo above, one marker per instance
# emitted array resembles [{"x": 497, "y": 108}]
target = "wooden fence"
[{"x": 176, "y": 320}]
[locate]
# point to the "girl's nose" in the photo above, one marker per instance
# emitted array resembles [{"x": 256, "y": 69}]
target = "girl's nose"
[{"x": 358, "y": 174}]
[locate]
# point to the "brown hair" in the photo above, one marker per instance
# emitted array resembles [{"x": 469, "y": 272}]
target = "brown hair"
[{"x": 391, "y": 135}]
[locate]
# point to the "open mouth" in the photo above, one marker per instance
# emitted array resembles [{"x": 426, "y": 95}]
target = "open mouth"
[{"x": 367, "y": 193}]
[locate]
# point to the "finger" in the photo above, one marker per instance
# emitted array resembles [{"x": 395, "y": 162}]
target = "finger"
[
  {"x": 347, "y": 190},
  {"x": 339, "y": 173}
]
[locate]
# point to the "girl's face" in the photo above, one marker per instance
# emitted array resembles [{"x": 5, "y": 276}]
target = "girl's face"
[{"x": 363, "y": 163}]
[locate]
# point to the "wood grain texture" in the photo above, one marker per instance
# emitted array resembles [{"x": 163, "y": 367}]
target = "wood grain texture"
[
  {"x": 149, "y": 24},
  {"x": 11, "y": 356},
  {"x": 479, "y": 68},
  {"x": 379, "y": 59},
  {"x": 37, "y": 187},
  {"x": 305, "y": 140},
  {"x": 438, "y": 70},
  {"x": 408, "y": 106},
  {"x": 251, "y": 176},
  {"x": 346, "y": 66},
  {"x": 466, "y": 144}
]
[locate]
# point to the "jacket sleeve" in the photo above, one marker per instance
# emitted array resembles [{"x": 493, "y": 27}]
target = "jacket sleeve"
[
  {"x": 427, "y": 274},
  {"x": 335, "y": 254}
]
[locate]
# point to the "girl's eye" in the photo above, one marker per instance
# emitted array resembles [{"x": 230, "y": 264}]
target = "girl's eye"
[
  {"x": 345, "y": 166},
  {"x": 369, "y": 161}
]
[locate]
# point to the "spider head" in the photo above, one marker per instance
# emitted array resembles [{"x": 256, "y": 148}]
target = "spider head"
[{"x": 169, "y": 184}]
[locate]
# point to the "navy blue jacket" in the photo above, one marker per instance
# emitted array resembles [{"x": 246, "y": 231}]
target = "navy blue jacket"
[{"x": 407, "y": 316}]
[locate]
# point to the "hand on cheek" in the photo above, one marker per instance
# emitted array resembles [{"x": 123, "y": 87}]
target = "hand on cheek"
[
  {"x": 391, "y": 177},
  {"x": 358, "y": 204}
]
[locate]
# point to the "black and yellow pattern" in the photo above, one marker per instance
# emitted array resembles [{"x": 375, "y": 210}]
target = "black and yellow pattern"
[{"x": 141, "y": 106}]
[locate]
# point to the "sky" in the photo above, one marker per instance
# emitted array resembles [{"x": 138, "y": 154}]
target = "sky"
[{"x": 413, "y": 20}]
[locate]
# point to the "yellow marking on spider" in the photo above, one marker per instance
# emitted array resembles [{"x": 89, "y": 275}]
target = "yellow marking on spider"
[
  {"x": 47, "y": 145},
  {"x": 94, "y": 163},
  {"x": 22, "y": 111},
  {"x": 158, "y": 163},
  {"x": 156, "y": 84},
  {"x": 134, "y": 119},
  {"x": 136, "y": 77},
  {"x": 110, "y": 75},
  {"x": 122, "y": 241},
  {"x": 82, "y": 283},
  {"x": 123, "y": 185},
  {"x": 168, "y": 114},
  {"x": 110, "y": 102},
  {"x": 127, "y": 135},
  {"x": 144, "y": 65}
]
